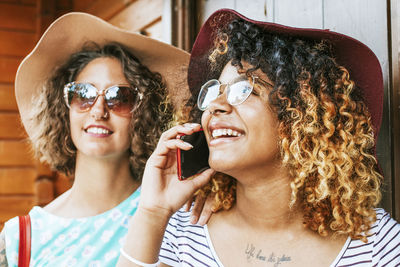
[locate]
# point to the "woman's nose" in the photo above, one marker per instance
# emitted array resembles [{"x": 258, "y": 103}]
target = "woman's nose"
[
  {"x": 220, "y": 104},
  {"x": 99, "y": 109}
]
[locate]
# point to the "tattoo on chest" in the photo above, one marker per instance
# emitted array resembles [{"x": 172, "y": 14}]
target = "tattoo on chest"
[{"x": 253, "y": 253}]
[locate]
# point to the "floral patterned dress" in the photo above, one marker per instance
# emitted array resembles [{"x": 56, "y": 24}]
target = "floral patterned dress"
[{"x": 56, "y": 241}]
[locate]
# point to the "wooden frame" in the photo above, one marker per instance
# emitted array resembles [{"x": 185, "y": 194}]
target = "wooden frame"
[
  {"x": 394, "y": 80},
  {"x": 184, "y": 23}
]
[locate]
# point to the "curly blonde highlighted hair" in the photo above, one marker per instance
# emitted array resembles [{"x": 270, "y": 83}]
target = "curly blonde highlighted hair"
[
  {"x": 326, "y": 134},
  {"x": 51, "y": 139}
]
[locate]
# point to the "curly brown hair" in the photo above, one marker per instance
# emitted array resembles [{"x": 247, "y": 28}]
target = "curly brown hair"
[
  {"x": 326, "y": 134},
  {"x": 52, "y": 141}
]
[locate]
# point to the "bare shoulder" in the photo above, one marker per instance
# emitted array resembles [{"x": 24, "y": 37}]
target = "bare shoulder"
[{"x": 3, "y": 259}]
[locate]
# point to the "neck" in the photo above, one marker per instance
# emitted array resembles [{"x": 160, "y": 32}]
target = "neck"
[
  {"x": 102, "y": 183},
  {"x": 262, "y": 199}
]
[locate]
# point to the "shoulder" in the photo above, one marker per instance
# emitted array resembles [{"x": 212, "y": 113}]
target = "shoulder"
[
  {"x": 386, "y": 239},
  {"x": 382, "y": 247},
  {"x": 180, "y": 226},
  {"x": 11, "y": 230},
  {"x": 186, "y": 242},
  {"x": 9, "y": 243},
  {"x": 384, "y": 226}
]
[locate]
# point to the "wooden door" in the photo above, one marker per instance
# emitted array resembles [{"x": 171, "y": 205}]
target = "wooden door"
[{"x": 17, "y": 167}]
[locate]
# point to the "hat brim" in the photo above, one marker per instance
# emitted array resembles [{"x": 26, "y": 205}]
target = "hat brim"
[
  {"x": 70, "y": 32},
  {"x": 359, "y": 60}
]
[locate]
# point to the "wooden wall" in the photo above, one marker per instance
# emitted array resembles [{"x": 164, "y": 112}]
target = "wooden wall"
[
  {"x": 17, "y": 167},
  {"x": 144, "y": 16},
  {"x": 24, "y": 182},
  {"x": 365, "y": 20}
]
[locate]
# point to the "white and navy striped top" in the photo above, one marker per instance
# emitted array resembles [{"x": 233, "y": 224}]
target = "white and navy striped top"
[{"x": 186, "y": 244}]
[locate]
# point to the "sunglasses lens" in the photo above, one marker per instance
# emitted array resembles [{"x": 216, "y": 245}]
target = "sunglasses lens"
[
  {"x": 209, "y": 92},
  {"x": 238, "y": 92},
  {"x": 121, "y": 99},
  {"x": 81, "y": 96}
]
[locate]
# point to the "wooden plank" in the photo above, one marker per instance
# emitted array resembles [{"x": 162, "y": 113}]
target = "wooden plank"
[
  {"x": 11, "y": 1},
  {"x": 256, "y": 9},
  {"x": 8, "y": 68},
  {"x": 17, "y": 181},
  {"x": 44, "y": 191},
  {"x": 82, "y": 5},
  {"x": 138, "y": 15},
  {"x": 270, "y": 10},
  {"x": 7, "y": 97},
  {"x": 366, "y": 20},
  {"x": 43, "y": 169},
  {"x": 63, "y": 6},
  {"x": 29, "y": 2},
  {"x": 155, "y": 30},
  {"x": 11, "y": 126},
  {"x": 303, "y": 14},
  {"x": 16, "y": 153},
  {"x": 11, "y": 206},
  {"x": 395, "y": 104},
  {"x": 18, "y": 17},
  {"x": 16, "y": 43},
  {"x": 20, "y": 2},
  {"x": 104, "y": 9},
  {"x": 209, "y": 7}
]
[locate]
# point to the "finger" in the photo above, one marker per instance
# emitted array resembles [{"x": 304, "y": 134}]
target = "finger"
[
  {"x": 165, "y": 147},
  {"x": 187, "y": 128},
  {"x": 207, "y": 211},
  {"x": 197, "y": 209},
  {"x": 197, "y": 181},
  {"x": 201, "y": 179},
  {"x": 188, "y": 204}
]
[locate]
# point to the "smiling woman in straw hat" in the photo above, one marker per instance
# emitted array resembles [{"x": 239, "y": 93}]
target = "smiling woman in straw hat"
[
  {"x": 94, "y": 100},
  {"x": 291, "y": 118}
]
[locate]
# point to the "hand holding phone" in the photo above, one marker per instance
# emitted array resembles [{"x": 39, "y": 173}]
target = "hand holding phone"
[{"x": 195, "y": 160}]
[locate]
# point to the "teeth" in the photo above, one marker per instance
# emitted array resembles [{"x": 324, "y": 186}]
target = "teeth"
[
  {"x": 225, "y": 132},
  {"x": 96, "y": 130}
]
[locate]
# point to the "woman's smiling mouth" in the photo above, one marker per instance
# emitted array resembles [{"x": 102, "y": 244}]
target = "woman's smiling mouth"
[
  {"x": 225, "y": 132},
  {"x": 98, "y": 131},
  {"x": 224, "y": 135}
]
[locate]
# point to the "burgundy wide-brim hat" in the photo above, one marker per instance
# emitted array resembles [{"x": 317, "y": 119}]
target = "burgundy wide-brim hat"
[
  {"x": 359, "y": 60},
  {"x": 69, "y": 33}
]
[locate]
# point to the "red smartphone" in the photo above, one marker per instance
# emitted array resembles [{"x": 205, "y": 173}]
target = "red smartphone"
[{"x": 195, "y": 160}]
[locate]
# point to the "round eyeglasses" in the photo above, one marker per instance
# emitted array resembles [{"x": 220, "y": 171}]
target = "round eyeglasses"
[
  {"x": 120, "y": 99},
  {"x": 236, "y": 92}
]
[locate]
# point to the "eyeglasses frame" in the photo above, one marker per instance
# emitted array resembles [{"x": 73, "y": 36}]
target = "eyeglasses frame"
[
  {"x": 101, "y": 92},
  {"x": 248, "y": 74}
]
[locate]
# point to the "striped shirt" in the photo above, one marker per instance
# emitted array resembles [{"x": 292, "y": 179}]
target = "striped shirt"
[{"x": 186, "y": 244}]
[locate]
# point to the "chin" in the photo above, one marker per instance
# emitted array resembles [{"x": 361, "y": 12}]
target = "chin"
[
  {"x": 101, "y": 154},
  {"x": 222, "y": 164}
]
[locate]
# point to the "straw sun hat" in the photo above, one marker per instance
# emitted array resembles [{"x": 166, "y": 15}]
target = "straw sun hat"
[{"x": 69, "y": 33}]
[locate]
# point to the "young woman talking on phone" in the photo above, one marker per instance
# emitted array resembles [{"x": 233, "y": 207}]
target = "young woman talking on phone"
[{"x": 291, "y": 118}]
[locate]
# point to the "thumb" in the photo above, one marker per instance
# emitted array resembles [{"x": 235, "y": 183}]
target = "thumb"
[{"x": 202, "y": 179}]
